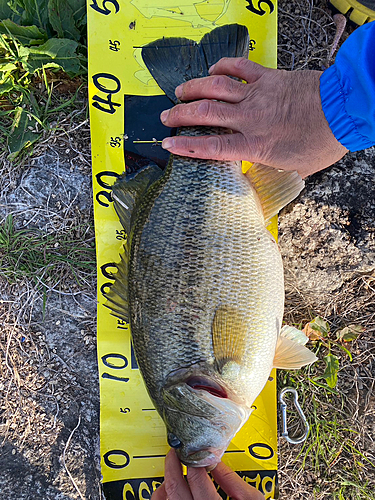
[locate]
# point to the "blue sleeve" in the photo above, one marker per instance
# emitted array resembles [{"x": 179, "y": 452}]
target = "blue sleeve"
[{"x": 347, "y": 90}]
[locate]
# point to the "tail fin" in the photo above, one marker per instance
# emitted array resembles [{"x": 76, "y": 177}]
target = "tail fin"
[{"x": 173, "y": 61}]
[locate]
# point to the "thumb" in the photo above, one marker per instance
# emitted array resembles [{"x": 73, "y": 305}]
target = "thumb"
[
  {"x": 213, "y": 147},
  {"x": 233, "y": 485},
  {"x": 239, "y": 67}
]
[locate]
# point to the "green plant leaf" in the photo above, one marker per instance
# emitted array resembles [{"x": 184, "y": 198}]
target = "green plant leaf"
[
  {"x": 20, "y": 135},
  {"x": 7, "y": 12},
  {"x": 64, "y": 16},
  {"x": 317, "y": 328},
  {"x": 36, "y": 12},
  {"x": 29, "y": 35},
  {"x": 349, "y": 333},
  {"x": 54, "y": 53},
  {"x": 332, "y": 367},
  {"x": 7, "y": 66},
  {"x": 320, "y": 325}
]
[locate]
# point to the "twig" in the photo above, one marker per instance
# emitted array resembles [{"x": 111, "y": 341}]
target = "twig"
[{"x": 66, "y": 447}]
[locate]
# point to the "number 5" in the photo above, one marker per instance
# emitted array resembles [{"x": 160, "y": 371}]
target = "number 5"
[
  {"x": 259, "y": 11},
  {"x": 104, "y": 10}
]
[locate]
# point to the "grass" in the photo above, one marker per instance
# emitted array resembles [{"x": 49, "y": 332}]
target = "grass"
[{"x": 44, "y": 258}]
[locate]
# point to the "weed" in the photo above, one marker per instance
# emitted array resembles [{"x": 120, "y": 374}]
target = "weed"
[
  {"x": 46, "y": 259},
  {"x": 35, "y": 38}
]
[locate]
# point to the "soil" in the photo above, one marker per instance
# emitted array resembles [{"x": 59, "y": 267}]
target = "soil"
[{"x": 49, "y": 395}]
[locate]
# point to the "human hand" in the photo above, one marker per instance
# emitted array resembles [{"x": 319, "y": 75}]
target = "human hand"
[
  {"x": 276, "y": 118},
  {"x": 199, "y": 485}
]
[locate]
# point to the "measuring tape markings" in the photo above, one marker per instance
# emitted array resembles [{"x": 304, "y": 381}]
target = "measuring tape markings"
[{"x": 125, "y": 403}]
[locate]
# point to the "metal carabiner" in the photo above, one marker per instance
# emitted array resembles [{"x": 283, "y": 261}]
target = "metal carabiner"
[{"x": 283, "y": 406}]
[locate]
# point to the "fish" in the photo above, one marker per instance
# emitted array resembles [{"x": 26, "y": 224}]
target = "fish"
[{"x": 200, "y": 281}]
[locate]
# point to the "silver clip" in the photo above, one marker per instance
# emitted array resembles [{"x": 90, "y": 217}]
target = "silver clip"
[{"x": 283, "y": 405}]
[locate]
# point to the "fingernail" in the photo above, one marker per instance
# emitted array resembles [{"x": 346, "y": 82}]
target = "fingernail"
[
  {"x": 167, "y": 143},
  {"x": 211, "y": 69},
  {"x": 164, "y": 115},
  {"x": 178, "y": 91}
]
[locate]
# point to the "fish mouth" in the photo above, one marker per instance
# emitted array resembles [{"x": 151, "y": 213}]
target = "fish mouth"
[
  {"x": 203, "y": 384},
  {"x": 207, "y": 458}
]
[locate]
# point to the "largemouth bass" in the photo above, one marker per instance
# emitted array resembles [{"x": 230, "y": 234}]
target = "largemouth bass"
[{"x": 201, "y": 280}]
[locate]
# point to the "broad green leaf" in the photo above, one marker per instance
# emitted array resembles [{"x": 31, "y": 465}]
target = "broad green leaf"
[
  {"x": 36, "y": 12},
  {"x": 62, "y": 19},
  {"x": 8, "y": 11},
  {"x": 320, "y": 325},
  {"x": 55, "y": 52},
  {"x": 20, "y": 135},
  {"x": 29, "y": 35},
  {"x": 316, "y": 329},
  {"x": 349, "y": 333},
  {"x": 332, "y": 367},
  {"x": 7, "y": 66}
]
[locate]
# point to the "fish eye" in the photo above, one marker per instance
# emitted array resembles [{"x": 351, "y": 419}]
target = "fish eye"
[{"x": 173, "y": 441}]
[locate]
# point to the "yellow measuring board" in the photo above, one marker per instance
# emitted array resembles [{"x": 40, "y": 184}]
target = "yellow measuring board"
[{"x": 125, "y": 104}]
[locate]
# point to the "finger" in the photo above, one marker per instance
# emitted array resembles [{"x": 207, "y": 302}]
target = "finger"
[
  {"x": 201, "y": 486},
  {"x": 159, "y": 493},
  {"x": 175, "y": 485},
  {"x": 218, "y": 87},
  {"x": 214, "y": 147},
  {"x": 239, "y": 67},
  {"x": 206, "y": 113},
  {"x": 233, "y": 485}
]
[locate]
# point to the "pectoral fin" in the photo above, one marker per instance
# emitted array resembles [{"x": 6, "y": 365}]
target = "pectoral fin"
[
  {"x": 228, "y": 335},
  {"x": 291, "y": 354}
]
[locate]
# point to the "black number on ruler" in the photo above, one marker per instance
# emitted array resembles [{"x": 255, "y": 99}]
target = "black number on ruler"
[
  {"x": 133, "y": 359},
  {"x": 259, "y": 11},
  {"x": 103, "y": 9},
  {"x": 108, "y": 274},
  {"x": 107, "y": 101},
  {"x": 115, "y": 367},
  {"x": 104, "y": 287},
  {"x": 118, "y": 453},
  {"x": 105, "y": 185},
  {"x": 264, "y": 446}
]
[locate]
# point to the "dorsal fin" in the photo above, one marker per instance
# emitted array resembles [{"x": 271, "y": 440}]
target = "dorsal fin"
[
  {"x": 118, "y": 297},
  {"x": 228, "y": 335},
  {"x": 126, "y": 194},
  {"x": 275, "y": 188},
  {"x": 129, "y": 189}
]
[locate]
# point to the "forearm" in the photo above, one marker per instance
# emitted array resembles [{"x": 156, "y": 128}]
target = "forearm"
[{"x": 347, "y": 91}]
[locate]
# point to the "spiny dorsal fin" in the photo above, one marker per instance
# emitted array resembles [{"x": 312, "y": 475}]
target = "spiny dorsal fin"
[
  {"x": 118, "y": 297},
  {"x": 291, "y": 354},
  {"x": 129, "y": 189},
  {"x": 228, "y": 335},
  {"x": 275, "y": 188},
  {"x": 172, "y": 61}
]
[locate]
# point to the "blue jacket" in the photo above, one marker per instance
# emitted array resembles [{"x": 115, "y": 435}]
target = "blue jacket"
[{"x": 347, "y": 90}]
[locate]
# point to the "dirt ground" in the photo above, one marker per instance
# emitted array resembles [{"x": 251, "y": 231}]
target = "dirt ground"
[{"x": 49, "y": 396}]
